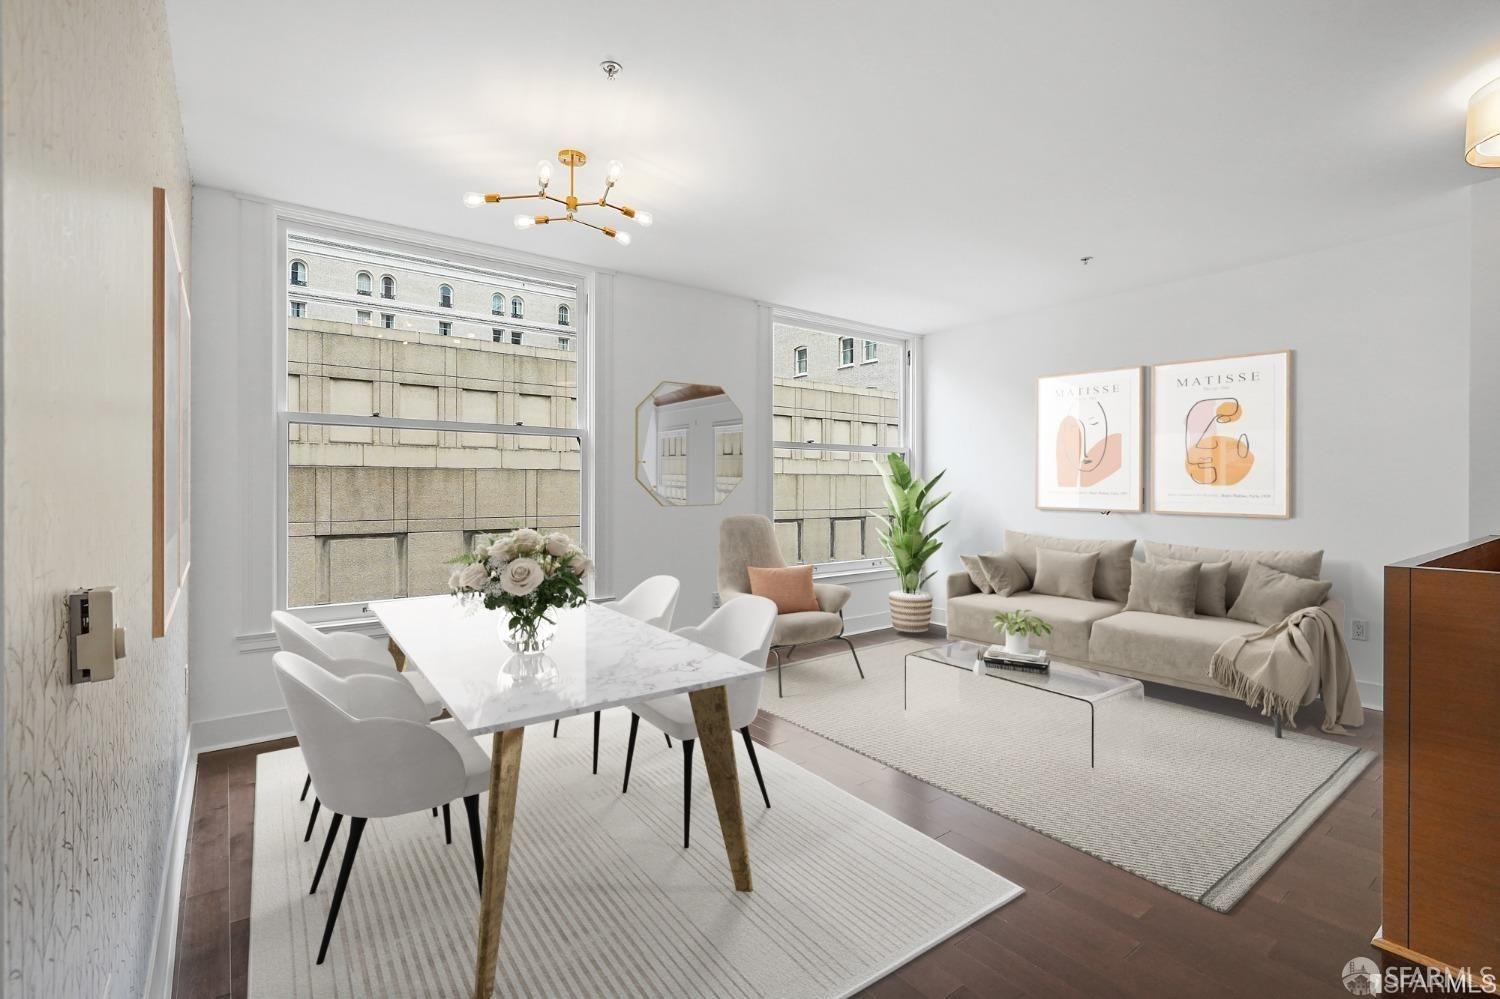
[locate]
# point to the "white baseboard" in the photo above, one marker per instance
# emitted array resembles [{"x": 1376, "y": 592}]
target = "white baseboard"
[
  {"x": 241, "y": 730},
  {"x": 168, "y": 906},
  {"x": 856, "y": 624},
  {"x": 1371, "y": 694}
]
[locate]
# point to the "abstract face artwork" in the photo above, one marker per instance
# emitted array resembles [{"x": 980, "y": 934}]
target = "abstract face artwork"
[
  {"x": 1221, "y": 432},
  {"x": 1089, "y": 441}
]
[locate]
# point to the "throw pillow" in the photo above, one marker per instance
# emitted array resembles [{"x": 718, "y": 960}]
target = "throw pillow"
[
  {"x": 1306, "y": 564},
  {"x": 1111, "y": 576},
  {"x": 1004, "y": 573},
  {"x": 1269, "y": 595},
  {"x": 790, "y": 589},
  {"x": 1158, "y": 588},
  {"x": 1065, "y": 574},
  {"x": 1213, "y": 584},
  {"x": 976, "y": 573}
]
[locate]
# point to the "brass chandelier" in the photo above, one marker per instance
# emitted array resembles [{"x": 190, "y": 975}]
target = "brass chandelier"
[{"x": 572, "y": 159}]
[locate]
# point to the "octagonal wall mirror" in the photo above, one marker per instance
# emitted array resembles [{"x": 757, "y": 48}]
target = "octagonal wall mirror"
[{"x": 689, "y": 444}]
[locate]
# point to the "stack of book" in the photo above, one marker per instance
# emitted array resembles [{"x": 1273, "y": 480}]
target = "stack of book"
[{"x": 1036, "y": 661}]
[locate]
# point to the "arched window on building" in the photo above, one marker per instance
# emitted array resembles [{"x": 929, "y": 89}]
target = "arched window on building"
[
  {"x": 363, "y": 283},
  {"x": 387, "y": 287},
  {"x": 517, "y": 308},
  {"x": 445, "y": 296},
  {"x": 497, "y": 304},
  {"x": 564, "y": 315},
  {"x": 299, "y": 273}
]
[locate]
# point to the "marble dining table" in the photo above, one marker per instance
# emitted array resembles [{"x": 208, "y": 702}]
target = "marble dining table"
[{"x": 598, "y": 658}]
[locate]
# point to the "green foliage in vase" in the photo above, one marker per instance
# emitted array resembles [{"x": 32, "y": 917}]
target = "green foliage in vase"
[
  {"x": 1021, "y": 623},
  {"x": 903, "y": 532}
]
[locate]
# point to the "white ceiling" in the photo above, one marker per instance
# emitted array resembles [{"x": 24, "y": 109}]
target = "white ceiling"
[{"x": 912, "y": 165}]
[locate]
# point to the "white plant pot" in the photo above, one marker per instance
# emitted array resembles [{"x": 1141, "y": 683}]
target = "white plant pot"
[
  {"x": 911, "y": 613},
  {"x": 1017, "y": 643}
]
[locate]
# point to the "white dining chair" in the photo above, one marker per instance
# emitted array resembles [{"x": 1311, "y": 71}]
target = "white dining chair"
[
  {"x": 653, "y": 601},
  {"x": 741, "y": 628},
  {"x": 374, "y": 754},
  {"x": 343, "y": 653}
]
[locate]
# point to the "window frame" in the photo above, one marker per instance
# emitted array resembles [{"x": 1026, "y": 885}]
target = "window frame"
[
  {"x": 906, "y": 349},
  {"x": 517, "y": 307},
  {"x": 497, "y": 304},
  {"x": 445, "y": 296},
  {"x": 564, "y": 316},
  {"x": 799, "y": 362},
  {"x": 388, "y": 287},
  {"x": 388, "y": 320},
  {"x": 379, "y": 237},
  {"x": 847, "y": 341},
  {"x": 364, "y": 284},
  {"x": 445, "y": 327},
  {"x": 292, "y": 273},
  {"x": 869, "y": 358}
]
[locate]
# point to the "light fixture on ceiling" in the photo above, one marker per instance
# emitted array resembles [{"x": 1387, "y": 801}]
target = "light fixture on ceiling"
[
  {"x": 1482, "y": 136},
  {"x": 572, "y": 159}
]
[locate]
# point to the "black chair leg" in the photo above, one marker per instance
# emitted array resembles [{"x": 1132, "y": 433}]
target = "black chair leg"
[
  {"x": 333, "y": 832},
  {"x": 754, "y": 763},
  {"x": 687, "y": 791},
  {"x": 306, "y": 785},
  {"x": 669, "y": 740},
  {"x": 471, "y": 805},
  {"x": 447, "y": 826},
  {"x": 434, "y": 811},
  {"x": 777, "y": 654},
  {"x": 855, "y": 654},
  {"x": 356, "y": 829},
  {"x": 635, "y": 723},
  {"x": 312, "y": 819},
  {"x": 555, "y": 722},
  {"x": 596, "y": 742}
]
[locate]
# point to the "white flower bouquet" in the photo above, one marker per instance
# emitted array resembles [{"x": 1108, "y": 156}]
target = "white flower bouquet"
[{"x": 526, "y": 574}]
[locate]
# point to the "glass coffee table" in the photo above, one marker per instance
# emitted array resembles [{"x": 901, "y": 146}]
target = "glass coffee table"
[{"x": 1064, "y": 678}]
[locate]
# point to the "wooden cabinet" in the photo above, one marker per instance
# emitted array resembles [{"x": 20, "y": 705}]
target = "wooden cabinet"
[{"x": 1441, "y": 846}]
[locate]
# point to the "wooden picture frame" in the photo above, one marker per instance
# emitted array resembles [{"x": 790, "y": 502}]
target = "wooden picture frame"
[
  {"x": 171, "y": 339},
  {"x": 1196, "y": 470},
  {"x": 1090, "y": 441}
]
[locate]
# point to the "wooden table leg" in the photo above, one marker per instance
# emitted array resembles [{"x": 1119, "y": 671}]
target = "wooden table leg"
[
  {"x": 711, "y": 716},
  {"x": 505, "y": 770},
  {"x": 397, "y": 655}
]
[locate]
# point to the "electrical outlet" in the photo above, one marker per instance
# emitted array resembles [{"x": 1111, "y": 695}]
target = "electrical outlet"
[
  {"x": 1359, "y": 630},
  {"x": 717, "y": 601}
]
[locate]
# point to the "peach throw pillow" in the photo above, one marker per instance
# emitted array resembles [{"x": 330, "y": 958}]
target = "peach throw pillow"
[{"x": 790, "y": 589}]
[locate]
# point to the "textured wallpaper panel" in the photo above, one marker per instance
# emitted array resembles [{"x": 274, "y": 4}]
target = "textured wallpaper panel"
[{"x": 91, "y": 124}]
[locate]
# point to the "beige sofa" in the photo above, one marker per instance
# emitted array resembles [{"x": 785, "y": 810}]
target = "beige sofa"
[{"x": 1100, "y": 632}]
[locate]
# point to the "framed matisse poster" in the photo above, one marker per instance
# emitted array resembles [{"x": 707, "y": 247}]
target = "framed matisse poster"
[
  {"x": 1221, "y": 436},
  {"x": 1089, "y": 441}
]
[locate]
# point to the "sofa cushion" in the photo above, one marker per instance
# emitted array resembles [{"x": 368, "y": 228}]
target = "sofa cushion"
[
  {"x": 1111, "y": 577},
  {"x": 805, "y": 626},
  {"x": 973, "y": 617},
  {"x": 1164, "y": 587},
  {"x": 1307, "y": 564},
  {"x": 1269, "y": 595},
  {"x": 976, "y": 573},
  {"x": 1213, "y": 584},
  {"x": 1065, "y": 574},
  {"x": 1161, "y": 645},
  {"x": 1004, "y": 573}
]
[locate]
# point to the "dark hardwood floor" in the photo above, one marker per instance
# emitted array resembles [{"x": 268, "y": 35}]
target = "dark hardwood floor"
[{"x": 1083, "y": 928}]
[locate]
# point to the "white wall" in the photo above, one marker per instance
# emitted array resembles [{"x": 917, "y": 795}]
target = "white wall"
[
  {"x": 649, "y": 331},
  {"x": 91, "y": 124},
  {"x": 1380, "y": 408},
  {"x": 1484, "y": 366}
]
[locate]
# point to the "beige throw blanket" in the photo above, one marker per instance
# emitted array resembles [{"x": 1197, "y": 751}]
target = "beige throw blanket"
[{"x": 1281, "y": 669}]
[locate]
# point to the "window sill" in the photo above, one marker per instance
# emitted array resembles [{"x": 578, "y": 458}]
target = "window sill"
[{"x": 870, "y": 574}]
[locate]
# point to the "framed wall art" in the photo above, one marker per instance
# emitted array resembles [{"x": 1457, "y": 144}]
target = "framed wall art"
[
  {"x": 170, "y": 446},
  {"x": 1221, "y": 436},
  {"x": 1089, "y": 441}
]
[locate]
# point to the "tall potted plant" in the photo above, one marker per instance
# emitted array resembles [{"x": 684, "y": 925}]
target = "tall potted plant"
[{"x": 907, "y": 542}]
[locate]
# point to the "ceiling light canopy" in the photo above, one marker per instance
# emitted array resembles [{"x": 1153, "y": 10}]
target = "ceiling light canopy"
[
  {"x": 1482, "y": 137},
  {"x": 572, "y": 159}
]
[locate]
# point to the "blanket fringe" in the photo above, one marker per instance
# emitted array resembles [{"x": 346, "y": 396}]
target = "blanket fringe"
[{"x": 1223, "y": 670}]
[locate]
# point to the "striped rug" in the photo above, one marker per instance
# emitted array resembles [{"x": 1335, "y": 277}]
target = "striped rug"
[{"x": 602, "y": 899}]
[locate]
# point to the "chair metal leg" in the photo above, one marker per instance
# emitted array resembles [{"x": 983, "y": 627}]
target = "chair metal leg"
[
  {"x": 635, "y": 723},
  {"x": 312, "y": 819},
  {"x": 669, "y": 740},
  {"x": 471, "y": 805},
  {"x": 434, "y": 811},
  {"x": 687, "y": 791},
  {"x": 333, "y": 832},
  {"x": 555, "y": 722},
  {"x": 1277, "y": 720},
  {"x": 754, "y": 763},
  {"x": 305, "y": 786},
  {"x": 790, "y": 649},
  {"x": 447, "y": 826},
  {"x": 777, "y": 653},
  {"x": 356, "y": 829},
  {"x": 855, "y": 654},
  {"x": 596, "y": 742}
]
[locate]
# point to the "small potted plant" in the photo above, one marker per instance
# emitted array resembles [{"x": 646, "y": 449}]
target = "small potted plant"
[
  {"x": 908, "y": 543},
  {"x": 527, "y": 575},
  {"x": 1018, "y": 627}
]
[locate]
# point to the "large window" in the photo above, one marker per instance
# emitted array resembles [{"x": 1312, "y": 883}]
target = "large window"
[
  {"x": 403, "y": 446},
  {"x": 832, "y": 420}
]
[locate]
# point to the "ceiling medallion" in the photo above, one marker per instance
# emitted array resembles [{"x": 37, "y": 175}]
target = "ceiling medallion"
[{"x": 572, "y": 159}]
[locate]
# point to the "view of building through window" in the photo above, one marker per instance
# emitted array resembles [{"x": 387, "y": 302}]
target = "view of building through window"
[
  {"x": 376, "y": 507},
  {"x": 823, "y": 497}
]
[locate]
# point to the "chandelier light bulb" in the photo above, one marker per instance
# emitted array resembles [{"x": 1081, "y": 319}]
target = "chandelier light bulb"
[
  {"x": 622, "y": 237},
  {"x": 615, "y": 169},
  {"x": 524, "y": 221},
  {"x": 473, "y": 199},
  {"x": 644, "y": 219},
  {"x": 543, "y": 172}
]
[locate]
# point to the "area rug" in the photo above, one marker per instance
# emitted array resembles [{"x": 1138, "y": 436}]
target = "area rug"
[
  {"x": 1199, "y": 803},
  {"x": 602, "y": 898}
]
